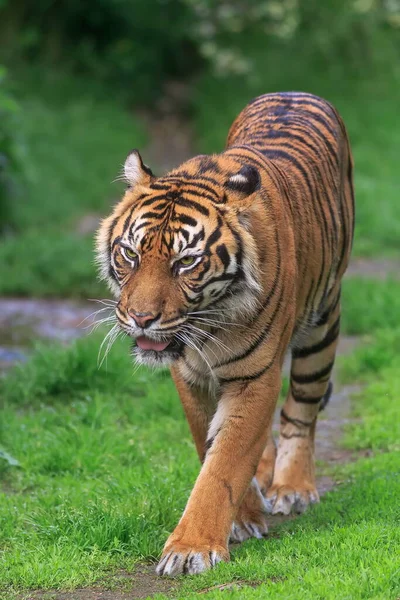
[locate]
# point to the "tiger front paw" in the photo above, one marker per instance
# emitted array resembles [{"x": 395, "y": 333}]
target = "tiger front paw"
[
  {"x": 185, "y": 559},
  {"x": 251, "y": 518}
]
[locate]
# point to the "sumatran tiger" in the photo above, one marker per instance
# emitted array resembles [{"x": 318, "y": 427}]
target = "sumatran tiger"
[{"x": 219, "y": 267}]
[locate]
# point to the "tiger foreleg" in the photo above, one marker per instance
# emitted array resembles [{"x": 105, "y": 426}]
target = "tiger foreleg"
[
  {"x": 294, "y": 484},
  {"x": 199, "y": 408},
  {"x": 266, "y": 466},
  {"x": 251, "y": 518},
  {"x": 236, "y": 439}
]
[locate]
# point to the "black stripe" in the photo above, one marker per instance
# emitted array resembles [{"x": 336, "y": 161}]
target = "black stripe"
[
  {"x": 214, "y": 236},
  {"x": 186, "y": 220},
  {"x": 310, "y": 127},
  {"x": 223, "y": 255},
  {"x": 185, "y": 565},
  {"x": 330, "y": 337},
  {"x": 297, "y": 422},
  {"x": 196, "y": 238},
  {"x": 160, "y": 186},
  {"x": 324, "y": 318},
  {"x": 208, "y": 444},
  {"x": 109, "y": 249},
  {"x": 192, "y": 204},
  {"x": 312, "y": 377},
  {"x": 198, "y": 194},
  {"x": 202, "y": 186},
  {"x": 247, "y": 378},
  {"x": 306, "y": 399},
  {"x": 259, "y": 339}
]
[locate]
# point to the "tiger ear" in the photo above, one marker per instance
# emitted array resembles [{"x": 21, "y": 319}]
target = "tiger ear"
[
  {"x": 135, "y": 171},
  {"x": 245, "y": 182},
  {"x": 242, "y": 185}
]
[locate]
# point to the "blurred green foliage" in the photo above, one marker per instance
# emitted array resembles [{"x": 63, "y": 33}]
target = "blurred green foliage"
[
  {"x": 136, "y": 44},
  {"x": 10, "y": 148},
  {"x": 75, "y": 140},
  {"x": 140, "y": 44}
]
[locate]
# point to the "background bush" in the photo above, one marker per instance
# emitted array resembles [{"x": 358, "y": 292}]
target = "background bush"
[
  {"x": 138, "y": 45},
  {"x": 10, "y": 149}
]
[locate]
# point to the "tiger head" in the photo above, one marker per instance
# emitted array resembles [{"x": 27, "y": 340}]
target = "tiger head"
[{"x": 180, "y": 249}]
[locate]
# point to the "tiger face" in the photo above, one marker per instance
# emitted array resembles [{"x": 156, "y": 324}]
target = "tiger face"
[{"x": 179, "y": 248}]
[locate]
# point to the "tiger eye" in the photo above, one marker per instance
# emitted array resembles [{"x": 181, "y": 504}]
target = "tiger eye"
[
  {"x": 186, "y": 261},
  {"x": 130, "y": 253}
]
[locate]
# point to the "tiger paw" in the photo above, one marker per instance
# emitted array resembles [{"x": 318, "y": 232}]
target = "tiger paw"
[
  {"x": 284, "y": 499},
  {"x": 243, "y": 530},
  {"x": 251, "y": 518},
  {"x": 183, "y": 559}
]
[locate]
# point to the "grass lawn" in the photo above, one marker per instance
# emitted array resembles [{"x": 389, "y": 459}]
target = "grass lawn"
[{"x": 106, "y": 463}]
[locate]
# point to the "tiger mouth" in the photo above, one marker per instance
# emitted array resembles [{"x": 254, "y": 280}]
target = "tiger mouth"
[{"x": 146, "y": 344}]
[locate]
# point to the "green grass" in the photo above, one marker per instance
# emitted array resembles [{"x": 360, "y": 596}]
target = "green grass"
[
  {"x": 76, "y": 138},
  {"x": 344, "y": 548},
  {"x": 369, "y": 305},
  {"x": 376, "y": 407},
  {"x": 106, "y": 464}
]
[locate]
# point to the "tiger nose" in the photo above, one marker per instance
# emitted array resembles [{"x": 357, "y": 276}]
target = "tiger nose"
[{"x": 142, "y": 319}]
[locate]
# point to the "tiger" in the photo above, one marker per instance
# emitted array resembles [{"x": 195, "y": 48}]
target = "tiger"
[{"x": 219, "y": 268}]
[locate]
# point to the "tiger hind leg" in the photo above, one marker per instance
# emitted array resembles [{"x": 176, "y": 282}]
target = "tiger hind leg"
[{"x": 294, "y": 487}]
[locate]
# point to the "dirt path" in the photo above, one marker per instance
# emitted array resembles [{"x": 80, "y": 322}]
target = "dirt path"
[
  {"x": 25, "y": 320},
  {"x": 374, "y": 268}
]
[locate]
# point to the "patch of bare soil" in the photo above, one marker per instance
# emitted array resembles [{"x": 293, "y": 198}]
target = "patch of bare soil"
[
  {"x": 23, "y": 320},
  {"x": 374, "y": 268},
  {"x": 141, "y": 583}
]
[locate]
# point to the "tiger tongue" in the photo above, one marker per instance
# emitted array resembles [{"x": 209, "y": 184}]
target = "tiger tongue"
[{"x": 145, "y": 343}]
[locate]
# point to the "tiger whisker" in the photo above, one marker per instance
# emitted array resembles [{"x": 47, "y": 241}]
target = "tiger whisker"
[
  {"x": 215, "y": 340},
  {"x": 110, "y": 338},
  {"x": 214, "y": 318},
  {"x": 207, "y": 312},
  {"x": 213, "y": 323},
  {"x": 208, "y": 335},
  {"x": 93, "y": 315},
  {"x": 190, "y": 342},
  {"x": 106, "y": 301},
  {"x": 96, "y": 324},
  {"x": 196, "y": 337}
]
